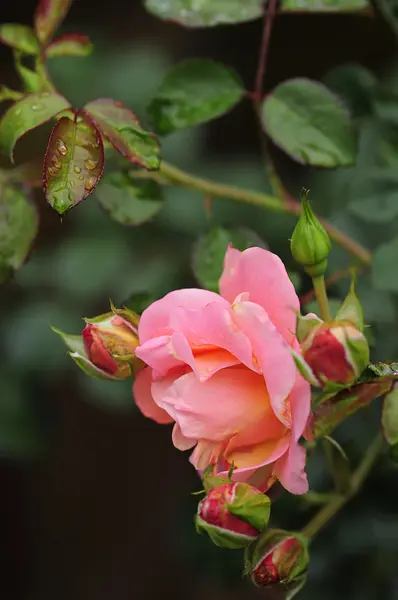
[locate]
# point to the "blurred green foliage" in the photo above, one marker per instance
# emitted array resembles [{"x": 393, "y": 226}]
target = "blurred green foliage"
[{"x": 92, "y": 258}]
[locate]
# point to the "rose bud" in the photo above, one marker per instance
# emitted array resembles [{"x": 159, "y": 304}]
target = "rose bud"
[
  {"x": 278, "y": 559},
  {"x": 110, "y": 342},
  {"x": 310, "y": 244},
  {"x": 233, "y": 514},
  {"x": 106, "y": 348},
  {"x": 336, "y": 353}
]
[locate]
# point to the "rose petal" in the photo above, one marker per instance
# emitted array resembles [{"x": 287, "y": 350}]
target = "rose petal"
[
  {"x": 273, "y": 355},
  {"x": 231, "y": 400},
  {"x": 213, "y": 325},
  {"x": 155, "y": 320},
  {"x": 290, "y": 469},
  {"x": 143, "y": 398},
  {"x": 263, "y": 275},
  {"x": 249, "y": 459},
  {"x": 170, "y": 351},
  {"x": 180, "y": 441}
]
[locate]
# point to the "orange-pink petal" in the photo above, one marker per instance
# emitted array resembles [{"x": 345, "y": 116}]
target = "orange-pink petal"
[{"x": 143, "y": 398}]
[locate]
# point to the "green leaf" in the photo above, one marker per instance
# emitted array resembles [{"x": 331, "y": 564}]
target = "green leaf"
[
  {"x": 324, "y": 5},
  {"x": 194, "y": 92},
  {"x": 123, "y": 130},
  {"x": 49, "y": 15},
  {"x": 377, "y": 196},
  {"x": 70, "y": 44},
  {"x": 26, "y": 114},
  {"x": 384, "y": 267},
  {"x": 389, "y": 417},
  {"x": 18, "y": 228},
  {"x": 73, "y": 163},
  {"x": 306, "y": 120},
  {"x": 209, "y": 13},
  {"x": 32, "y": 82},
  {"x": 20, "y": 37},
  {"x": 205, "y": 13},
  {"x": 73, "y": 342},
  {"x": 129, "y": 202},
  {"x": 209, "y": 252}
]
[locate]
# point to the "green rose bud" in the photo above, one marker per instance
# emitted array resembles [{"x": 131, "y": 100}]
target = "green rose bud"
[{"x": 310, "y": 244}]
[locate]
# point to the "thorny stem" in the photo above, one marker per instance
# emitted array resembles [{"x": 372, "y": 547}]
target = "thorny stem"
[
  {"x": 169, "y": 174},
  {"x": 337, "y": 502},
  {"x": 321, "y": 297}
]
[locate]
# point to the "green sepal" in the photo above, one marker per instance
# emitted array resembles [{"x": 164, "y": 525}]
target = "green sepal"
[
  {"x": 351, "y": 310},
  {"x": 73, "y": 342},
  {"x": 305, "y": 325},
  {"x": 255, "y": 509},
  {"x": 359, "y": 353},
  {"x": 90, "y": 369},
  {"x": 99, "y": 318},
  {"x": 221, "y": 537},
  {"x": 214, "y": 481},
  {"x": 297, "y": 587},
  {"x": 304, "y": 369}
]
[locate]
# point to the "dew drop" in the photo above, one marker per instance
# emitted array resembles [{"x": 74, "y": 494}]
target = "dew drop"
[
  {"x": 61, "y": 147},
  {"x": 36, "y": 106},
  {"x": 72, "y": 183},
  {"x": 90, "y": 164},
  {"x": 51, "y": 171},
  {"x": 77, "y": 169},
  {"x": 80, "y": 178},
  {"x": 90, "y": 183},
  {"x": 18, "y": 112},
  {"x": 56, "y": 163}
]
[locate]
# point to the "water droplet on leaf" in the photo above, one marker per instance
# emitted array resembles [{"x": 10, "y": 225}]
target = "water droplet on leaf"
[
  {"x": 36, "y": 106},
  {"x": 77, "y": 169},
  {"x": 90, "y": 183},
  {"x": 61, "y": 147},
  {"x": 90, "y": 164}
]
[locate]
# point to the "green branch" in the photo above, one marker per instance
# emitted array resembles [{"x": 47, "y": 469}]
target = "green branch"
[{"x": 169, "y": 174}]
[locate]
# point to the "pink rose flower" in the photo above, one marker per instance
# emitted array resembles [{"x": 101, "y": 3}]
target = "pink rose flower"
[{"x": 220, "y": 368}]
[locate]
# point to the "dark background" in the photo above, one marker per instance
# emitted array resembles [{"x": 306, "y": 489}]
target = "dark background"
[{"x": 95, "y": 503}]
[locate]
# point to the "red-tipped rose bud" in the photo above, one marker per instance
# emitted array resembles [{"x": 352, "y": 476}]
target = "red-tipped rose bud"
[
  {"x": 336, "y": 352},
  {"x": 110, "y": 344},
  {"x": 233, "y": 514},
  {"x": 278, "y": 559}
]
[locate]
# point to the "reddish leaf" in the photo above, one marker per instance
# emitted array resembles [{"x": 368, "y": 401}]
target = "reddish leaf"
[
  {"x": 70, "y": 44},
  {"x": 123, "y": 130},
  {"x": 49, "y": 15},
  {"x": 333, "y": 411},
  {"x": 73, "y": 163}
]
